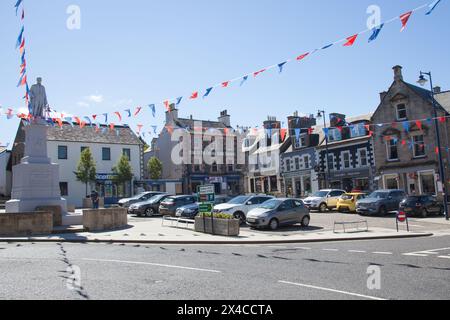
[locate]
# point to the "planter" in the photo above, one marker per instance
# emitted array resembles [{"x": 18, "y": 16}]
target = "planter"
[
  {"x": 105, "y": 219},
  {"x": 222, "y": 227}
]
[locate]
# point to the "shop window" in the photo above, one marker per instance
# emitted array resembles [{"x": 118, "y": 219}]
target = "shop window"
[
  {"x": 62, "y": 152},
  {"x": 427, "y": 183},
  {"x": 273, "y": 183},
  {"x": 392, "y": 183},
  {"x": 419, "y": 146}
]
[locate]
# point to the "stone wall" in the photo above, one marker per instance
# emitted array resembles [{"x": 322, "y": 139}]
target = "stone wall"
[
  {"x": 26, "y": 224},
  {"x": 56, "y": 212},
  {"x": 105, "y": 219}
]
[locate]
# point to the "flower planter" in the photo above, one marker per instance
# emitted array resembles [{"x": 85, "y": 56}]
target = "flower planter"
[{"x": 222, "y": 227}]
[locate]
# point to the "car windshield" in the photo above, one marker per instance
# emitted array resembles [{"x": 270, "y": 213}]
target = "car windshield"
[
  {"x": 139, "y": 196},
  {"x": 320, "y": 194},
  {"x": 157, "y": 198},
  {"x": 239, "y": 200},
  {"x": 271, "y": 204},
  {"x": 378, "y": 195},
  {"x": 169, "y": 200}
]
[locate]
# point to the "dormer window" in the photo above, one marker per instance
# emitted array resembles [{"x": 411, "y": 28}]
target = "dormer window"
[{"x": 401, "y": 112}]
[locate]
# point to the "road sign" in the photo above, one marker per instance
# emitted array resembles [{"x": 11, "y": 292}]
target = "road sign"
[
  {"x": 205, "y": 208},
  {"x": 206, "y": 193}
]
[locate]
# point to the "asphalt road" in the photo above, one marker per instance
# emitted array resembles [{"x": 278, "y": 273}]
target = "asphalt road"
[{"x": 409, "y": 269}]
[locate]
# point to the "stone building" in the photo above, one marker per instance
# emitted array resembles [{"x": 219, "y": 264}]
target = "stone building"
[{"x": 405, "y": 140}]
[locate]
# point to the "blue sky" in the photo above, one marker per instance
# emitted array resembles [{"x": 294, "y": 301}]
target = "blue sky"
[{"x": 130, "y": 53}]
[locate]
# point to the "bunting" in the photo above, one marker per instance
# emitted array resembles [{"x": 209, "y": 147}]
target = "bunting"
[
  {"x": 432, "y": 7},
  {"x": 404, "y": 18},
  {"x": 351, "y": 40},
  {"x": 376, "y": 33}
]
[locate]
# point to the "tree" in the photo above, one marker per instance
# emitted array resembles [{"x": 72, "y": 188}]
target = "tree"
[
  {"x": 155, "y": 168},
  {"x": 86, "y": 171},
  {"x": 122, "y": 171}
]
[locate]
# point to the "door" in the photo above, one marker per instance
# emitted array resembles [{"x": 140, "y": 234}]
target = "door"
[{"x": 286, "y": 212}]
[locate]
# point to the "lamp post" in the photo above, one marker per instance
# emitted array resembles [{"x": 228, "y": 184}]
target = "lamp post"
[
  {"x": 322, "y": 114},
  {"x": 422, "y": 81}
]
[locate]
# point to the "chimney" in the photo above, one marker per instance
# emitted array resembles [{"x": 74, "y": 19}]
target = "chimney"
[
  {"x": 225, "y": 118},
  {"x": 437, "y": 90},
  {"x": 398, "y": 76},
  {"x": 383, "y": 95},
  {"x": 171, "y": 115}
]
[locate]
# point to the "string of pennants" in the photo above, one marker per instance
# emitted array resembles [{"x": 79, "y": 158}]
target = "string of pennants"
[{"x": 119, "y": 115}]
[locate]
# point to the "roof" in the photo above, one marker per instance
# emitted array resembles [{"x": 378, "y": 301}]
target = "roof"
[
  {"x": 444, "y": 100},
  {"x": 426, "y": 95},
  {"x": 319, "y": 129},
  {"x": 88, "y": 134},
  {"x": 2, "y": 149},
  {"x": 185, "y": 123}
]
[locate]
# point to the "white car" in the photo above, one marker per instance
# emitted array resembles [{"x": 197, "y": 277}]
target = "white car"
[
  {"x": 323, "y": 200},
  {"x": 241, "y": 205}
]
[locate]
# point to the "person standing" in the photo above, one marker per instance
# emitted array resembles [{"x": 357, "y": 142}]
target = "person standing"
[{"x": 95, "y": 199}]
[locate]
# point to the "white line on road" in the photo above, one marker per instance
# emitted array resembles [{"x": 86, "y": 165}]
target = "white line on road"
[
  {"x": 302, "y": 248},
  {"x": 383, "y": 253},
  {"x": 444, "y": 257},
  {"x": 357, "y": 251},
  {"x": 154, "y": 264},
  {"x": 331, "y": 290},
  {"x": 332, "y": 250},
  {"x": 415, "y": 255}
]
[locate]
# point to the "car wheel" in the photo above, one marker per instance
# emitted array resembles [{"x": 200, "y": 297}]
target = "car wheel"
[
  {"x": 273, "y": 224},
  {"x": 149, "y": 212},
  {"x": 305, "y": 221},
  {"x": 383, "y": 211},
  {"x": 424, "y": 213},
  {"x": 240, "y": 216},
  {"x": 323, "y": 207}
]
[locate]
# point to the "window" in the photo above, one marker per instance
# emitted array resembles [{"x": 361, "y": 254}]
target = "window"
[
  {"x": 346, "y": 161},
  {"x": 330, "y": 162},
  {"x": 196, "y": 168},
  {"x": 64, "y": 187},
  {"x": 358, "y": 130},
  {"x": 288, "y": 165},
  {"x": 401, "y": 112},
  {"x": 391, "y": 182},
  {"x": 363, "y": 157},
  {"x": 106, "y": 154},
  {"x": 127, "y": 153},
  {"x": 62, "y": 152},
  {"x": 334, "y": 135},
  {"x": 230, "y": 168},
  {"x": 83, "y": 148},
  {"x": 392, "y": 149},
  {"x": 306, "y": 161},
  {"x": 297, "y": 163},
  {"x": 419, "y": 146}
]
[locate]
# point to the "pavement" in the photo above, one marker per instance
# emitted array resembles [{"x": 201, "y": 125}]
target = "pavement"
[
  {"x": 151, "y": 230},
  {"x": 407, "y": 269}
]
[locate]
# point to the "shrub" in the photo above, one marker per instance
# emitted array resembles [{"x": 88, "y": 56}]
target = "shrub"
[{"x": 218, "y": 215}]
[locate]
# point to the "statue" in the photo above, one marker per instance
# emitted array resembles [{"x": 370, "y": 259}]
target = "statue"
[{"x": 38, "y": 99}]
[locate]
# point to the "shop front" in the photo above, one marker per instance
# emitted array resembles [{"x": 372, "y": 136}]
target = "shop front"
[
  {"x": 352, "y": 180},
  {"x": 111, "y": 191},
  {"x": 413, "y": 182},
  {"x": 300, "y": 184}
]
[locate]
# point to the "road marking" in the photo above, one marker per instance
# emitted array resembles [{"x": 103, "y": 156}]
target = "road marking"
[
  {"x": 154, "y": 264},
  {"x": 444, "y": 257},
  {"x": 357, "y": 251},
  {"x": 331, "y": 290},
  {"x": 333, "y": 250},
  {"x": 383, "y": 253},
  {"x": 302, "y": 248},
  {"x": 415, "y": 255},
  {"x": 426, "y": 253}
]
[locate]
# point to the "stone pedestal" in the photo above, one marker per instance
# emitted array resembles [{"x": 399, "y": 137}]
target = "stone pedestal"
[{"x": 36, "y": 178}]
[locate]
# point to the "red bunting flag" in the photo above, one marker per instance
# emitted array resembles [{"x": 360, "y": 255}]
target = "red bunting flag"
[
  {"x": 225, "y": 84},
  {"x": 442, "y": 119},
  {"x": 303, "y": 56},
  {"x": 194, "y": 95},
  {"x": 139, "y": 126},
  {"x": 404, "y": 18},
  {"x": 403, "y": 142},
  {"x": 118, "y": 116},
  {"x": 283, "y": 134},
  {"x": 437, "y": 150},
  {"x": 60, "y": 123},
  {"x": 310, "y": 131},
  {"x": 340, "y": 129},
  {"x": 138, "y": 109},
  {"x": 23, "y": 81},
  {"x": 112, "y": 126},
  {"x": 225, "y": 131},
  {"x": 94, "y": 116},
  {"x": 169, "y": 129},
  {"x": 257, "y": 73},
  {"x": 22, "y": 46},
  {"x": 419, "y": 124},
  {"x": 77, "y": 120},
  {"x": 351, "y": 41},
  {"x": 167, "y": 105}
]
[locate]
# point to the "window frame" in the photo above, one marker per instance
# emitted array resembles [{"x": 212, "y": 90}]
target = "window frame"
[
  {"x": 397, "y": 112},
  {"x": 62, "y": 147},
  {"x": 389, "y": 150},
  {"x": 416, "y": 145},
  {"x": 103, "y": 154}
]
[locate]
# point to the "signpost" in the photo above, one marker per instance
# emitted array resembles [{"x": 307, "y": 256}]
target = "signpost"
[
  {"x": 207, "y": 196},
  {"x": 401, "y": 218}
]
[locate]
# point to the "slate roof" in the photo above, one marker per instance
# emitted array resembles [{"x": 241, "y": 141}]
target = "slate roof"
[
  {"x": 89, "y": 135},
  {"x": 444, "y": 99},
  {"x": 426, "y": 95},
  {"x": 185, "y": 123},
  {"x": 2, "y": 149}
]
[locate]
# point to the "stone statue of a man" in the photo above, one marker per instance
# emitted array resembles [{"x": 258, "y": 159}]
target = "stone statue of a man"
[{"x": 38, "y": 99}]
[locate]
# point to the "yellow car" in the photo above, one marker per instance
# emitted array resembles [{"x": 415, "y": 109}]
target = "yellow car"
[{"x": 347, "y": 202}]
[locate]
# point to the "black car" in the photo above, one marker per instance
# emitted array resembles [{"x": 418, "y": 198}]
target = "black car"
[
  {"x": 170, "y": 205},
  {"x": 148, "y": 208},
  {"x": 421, "y": 206}
]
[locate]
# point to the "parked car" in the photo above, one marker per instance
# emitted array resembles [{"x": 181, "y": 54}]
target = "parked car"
[
  {"x": 380, "y": 202},
  {"x": 241, "y": 205},
  {"x": 125, "y": 203},
  {"x": 324, "y": 200},
  {"x": 148, "y": 208},
  {"x": 277, "y": 212},
  {"x": 170, "y": 205},
  {"x": 421, "y": 206},
  {"x": 191, "y": 210},
  {"x": 347, "y": 202}
]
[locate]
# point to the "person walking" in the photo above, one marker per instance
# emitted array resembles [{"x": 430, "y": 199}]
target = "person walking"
[{"x": 95, "y": 199}]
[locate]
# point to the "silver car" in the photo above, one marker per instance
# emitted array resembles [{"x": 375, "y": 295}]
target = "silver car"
[{"x": 277, "y": 212}]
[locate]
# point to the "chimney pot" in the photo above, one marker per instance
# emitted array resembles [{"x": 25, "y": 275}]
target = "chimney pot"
[
  {"x": 437, "y": 89},
  {"x": 398, "y": 76}
]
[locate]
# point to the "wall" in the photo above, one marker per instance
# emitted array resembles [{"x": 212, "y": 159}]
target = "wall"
[
  {"x": 5, "y": 176},
  {"x": 67, "y": 167}
]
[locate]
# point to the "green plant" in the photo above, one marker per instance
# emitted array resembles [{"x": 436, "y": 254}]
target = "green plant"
[
  {"x": 122, "y": 171},
  {"x": 218, "y": 215},
  {"x": 86, "y": 169},
  {"x": 155, "y": 168}
]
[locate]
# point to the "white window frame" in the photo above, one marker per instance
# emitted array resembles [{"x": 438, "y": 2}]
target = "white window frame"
[
  {"x": 333, "y": 167},
  {"x": 397, "y": 116},
  {"x": 414, "y": 147},
  {"x": 343, "y": 153},
  {"x": 360, "y": 158},
  {"x": 391, "y": 176},
  {"x": 427, "y": 173}
]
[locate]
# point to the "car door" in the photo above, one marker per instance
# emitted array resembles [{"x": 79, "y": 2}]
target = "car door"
[
  {"x": 333, "y": 198},
  {"x": 299, "y": 211},
  {"x": 432, "y": 204},
  {"x": 285, "y": 210}
]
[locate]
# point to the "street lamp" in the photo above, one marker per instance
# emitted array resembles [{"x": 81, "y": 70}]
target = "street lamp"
[
  {"x": 322, "y": 114},
  {"x": 422, "y": 81}
]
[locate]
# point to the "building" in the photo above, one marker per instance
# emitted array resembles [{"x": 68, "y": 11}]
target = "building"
[
  {"x": 5, "y": 173},
  {"x": 197, "y": 152},
  {"x": 405, "y": 139},
  {"x": 264, "y": 149},
  {"x": 298, "y": 163},
  {"x": 65, "y": 145},
  {"x": 350, "y": 154}
]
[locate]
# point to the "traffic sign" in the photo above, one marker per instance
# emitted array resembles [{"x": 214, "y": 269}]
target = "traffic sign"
[
  {"x": 206, "y": 193},
  {"x": 205, "y": 208}
]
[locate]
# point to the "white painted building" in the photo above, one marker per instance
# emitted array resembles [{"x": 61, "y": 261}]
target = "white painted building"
[
  {"x": 5, "y": 174},
  {"x": 65, "y": 146}
]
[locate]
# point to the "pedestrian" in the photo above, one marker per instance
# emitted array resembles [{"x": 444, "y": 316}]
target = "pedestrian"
[{"x": 95, "y": 199}]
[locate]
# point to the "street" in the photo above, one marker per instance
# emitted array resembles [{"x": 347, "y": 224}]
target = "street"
[{"x": 410, "y": 269}]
